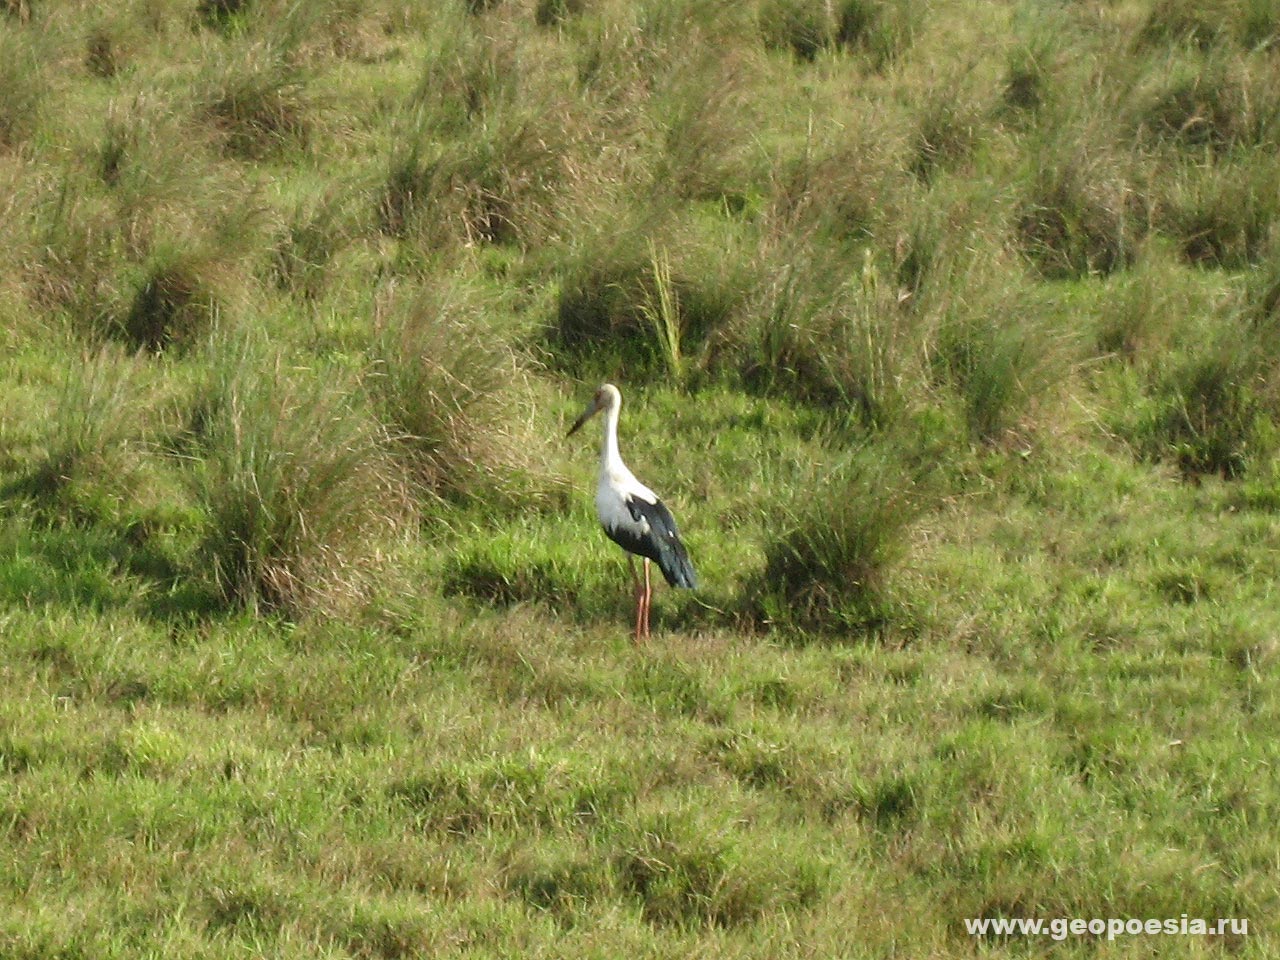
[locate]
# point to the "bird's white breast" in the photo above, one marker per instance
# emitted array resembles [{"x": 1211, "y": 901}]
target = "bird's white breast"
[{"x": 612, "y": 491}]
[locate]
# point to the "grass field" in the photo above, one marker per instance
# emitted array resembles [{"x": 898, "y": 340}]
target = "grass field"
[{"x": 948, "y": 331}]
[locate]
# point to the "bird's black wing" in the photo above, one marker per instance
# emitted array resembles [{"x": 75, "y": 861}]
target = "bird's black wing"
[{"x": 661, "y": 543}]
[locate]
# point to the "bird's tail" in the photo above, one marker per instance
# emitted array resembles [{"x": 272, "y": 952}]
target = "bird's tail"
[{"x": 676, "y": 567}]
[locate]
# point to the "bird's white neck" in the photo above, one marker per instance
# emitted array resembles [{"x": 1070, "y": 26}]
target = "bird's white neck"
[{"x": 610, "y": 459}]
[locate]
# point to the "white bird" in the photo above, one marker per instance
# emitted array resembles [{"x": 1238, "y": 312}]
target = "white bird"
[{"x": 632, "y": 515}]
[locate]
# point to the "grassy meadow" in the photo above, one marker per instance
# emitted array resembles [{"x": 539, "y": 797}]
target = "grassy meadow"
[{"x": 950, "y": 332}]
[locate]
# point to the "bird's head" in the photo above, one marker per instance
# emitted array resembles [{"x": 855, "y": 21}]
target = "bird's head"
[{"x": 606, "y": 397}]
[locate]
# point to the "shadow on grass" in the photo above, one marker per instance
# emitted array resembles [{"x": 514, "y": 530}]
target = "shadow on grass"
[{"x": 47, "y": 560}]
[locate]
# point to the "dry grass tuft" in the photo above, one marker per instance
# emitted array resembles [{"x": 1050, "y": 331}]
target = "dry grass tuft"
[
  {"x": 297, "y": 479},
  {"x": 456, "y": 397}
]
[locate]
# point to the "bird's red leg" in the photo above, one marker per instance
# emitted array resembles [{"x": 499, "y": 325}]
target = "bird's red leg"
[
  {"x": 648, "y": 596},
  {"x": 635, "y": 580}
]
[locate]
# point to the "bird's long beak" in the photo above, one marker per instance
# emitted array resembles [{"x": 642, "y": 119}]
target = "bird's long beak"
[{"x": 592, "y": 408}]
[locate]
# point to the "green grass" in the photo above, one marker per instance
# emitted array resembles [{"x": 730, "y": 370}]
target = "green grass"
[{"x": 945, "y": 331}]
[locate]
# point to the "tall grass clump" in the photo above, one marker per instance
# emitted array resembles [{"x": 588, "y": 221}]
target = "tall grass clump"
[
  {"x": 988, "y": 349},
  {"x": 553, "y": 13},
  {"x": 1223, "y": 214},
  {"x": 946, "y": 133},
  {"x": 879, "y": 30},
  {"x": 843, "y": 190},
  {"x": 157, "y": 174},
  {"x": 704, "y": 148},
  {"x": 297, "y": 483},
  {"x": 662, "y": 309},
  {"x": 18, "y": 10},
  {"x": 312, "y": 234},
  {"x": 175, "y": 301},
  {"x": 453, "y": 393},
  {"x": 622, "y": 60},
  {"x": 1133, "y": 323},
  {"x": 1082, "y": 214},
  {"x": 96, "y": 427},
  {"x": 842, "y": 342},
  {"x": 466, "y": 77},
  {"x": 146, "y": 243},
  {"x": 23, "y": 88},
  {"x": 835, "y": 543},
  {"x": 626, "y": 302},
  {"x": 802, "y": 26},
  {"x": 1213, "y": 102},
  {"x": 1263, "y": 293},
  {"x": 928, "y": 260},
  {"x": 1199, "y": 24},
  {"x": 102, "y": 54},
  {"x": 75, "y": 268},
  {"x": 1260, "y": 26},
  {"x": 116, "y": 39},
  {"x": 187, "y": 261},
  {"x": 258, "y": 104},
  {"x": 1213, "y": 408},
  {"x": 497, "y": 187},
  {"x": 221, "y": 14},
  {"x": 1027, "y": 82},
  {"x": 118, "y": 141}
]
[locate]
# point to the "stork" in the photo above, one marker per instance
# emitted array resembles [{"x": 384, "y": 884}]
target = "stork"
[{"x": 632, "y": 515}]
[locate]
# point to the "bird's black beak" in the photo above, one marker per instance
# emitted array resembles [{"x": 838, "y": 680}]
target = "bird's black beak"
[{"x": 587, "y": 414}]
